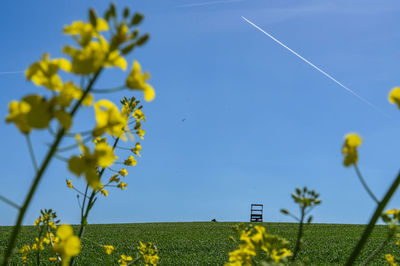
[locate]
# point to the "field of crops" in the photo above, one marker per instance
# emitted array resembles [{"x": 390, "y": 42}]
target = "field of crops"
[{"x": 207, "y": 243}]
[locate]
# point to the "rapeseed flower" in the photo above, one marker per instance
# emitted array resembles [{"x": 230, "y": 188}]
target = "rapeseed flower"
[
  {"x": 137, "y": 81},
  {"x": 103, "y": 156},
  {"x": 123, "y": 261},
  {"x": 394, "y": 96},
  {"x": 104, "y": 192},
  {"x": 390, "y": 259},
  {"x": 349, "y": 149},
  {"x": 122, "y": 185},
  {"x": 109, "y": 120},
  {"x": 44, "y": 73},
  {"x": 17, "y": 115},
  {"x": 131, "y": 161},
  {"x": 123, "y": 172},
  {"x": 67, "y": 245},
  {"x": 108, "y": 249},
  {"x": 148, "y": 253},
  {"x": 69, "y": 184}
]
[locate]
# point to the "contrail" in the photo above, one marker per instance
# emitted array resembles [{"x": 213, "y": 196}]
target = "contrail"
[
  {"x": 317, "y": 68},
  {"x": 210, "y": 3},
  {"x": 11, "y": 72}
]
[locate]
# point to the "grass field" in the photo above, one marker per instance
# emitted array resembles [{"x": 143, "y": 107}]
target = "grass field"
[{"x": 207, "y": 243}]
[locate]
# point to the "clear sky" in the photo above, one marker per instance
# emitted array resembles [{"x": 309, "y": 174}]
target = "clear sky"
[{"x": 237, "y": 119}]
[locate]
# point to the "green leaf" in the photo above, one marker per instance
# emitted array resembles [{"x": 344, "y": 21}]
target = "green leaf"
[
  {"x": 284, "y": 211},
  {"x": 126, "y": 12},
  {"x": 127, "y": 49},
  {"x": 142, "y": 40},
  {"x": 136, "y": 19},
  {"x": 93, "y": 17}
]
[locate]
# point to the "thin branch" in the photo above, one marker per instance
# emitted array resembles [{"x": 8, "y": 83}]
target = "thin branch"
[
  {"x": 83, "y": 133},
  {"x": 61, "y": 158},
  {"x": 123, "y": 148},
  {"x": 365, "y": 184},
  {"x": 72, "y": 146},
  {"x": 32, "y": 153},
  {"x": 110, "y": 90},
  {"x": 9, "y": 202}
]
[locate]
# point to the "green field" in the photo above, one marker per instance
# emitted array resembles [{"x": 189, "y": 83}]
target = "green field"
[{"x": 207, "y": 243}]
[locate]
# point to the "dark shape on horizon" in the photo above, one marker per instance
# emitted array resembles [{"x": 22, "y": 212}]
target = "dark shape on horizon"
[
  {"x": 256, "y": 213},
  {"x": 213, "y": 220}
]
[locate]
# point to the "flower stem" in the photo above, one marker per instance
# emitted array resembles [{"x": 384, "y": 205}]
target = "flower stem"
[
  {"x": 379, "y": 249},
  {"x": 9, "y": 202},
  {"x": 299, "y": 234},
  {"x": 88, "y": 206},
  {"x": 39, "y": 174},
  {"x": 365, "y": 184},
  {"x": 368, "y": 230},
  {"x": 31, "y": 152}
]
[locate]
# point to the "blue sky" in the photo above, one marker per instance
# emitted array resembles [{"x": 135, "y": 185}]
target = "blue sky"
[{"x": 258, "y": 121}]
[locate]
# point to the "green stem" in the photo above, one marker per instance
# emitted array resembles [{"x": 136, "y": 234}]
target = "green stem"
[
  {"x": 39, "y": 174},
  {"x": 90, "y": 201},
  {"x": 299, "y": 234},
  {"x": 368, "y": 230},
  {"x": 31, "y": 152},
  {"x": 110, "y": 90},
  {"x": 9, "y": 202},
  {"x": 365, "y": 184},
  {"x": 379, "y": 249}
]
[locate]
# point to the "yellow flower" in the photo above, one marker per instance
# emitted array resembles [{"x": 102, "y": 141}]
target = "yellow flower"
[
  {"x": 349, "y": 149},
  {"x": 122, "y": 185},
  {"x": 148, "y": 253},
  {"x": 104, "y": 192},
  {"x": 40, "y": 111},
  {"x": 123, "y": 172},
  {"x": 53, "y": 226},
  {"x": 86, "y": 164},
  {"x": 38, "y": 245},
  {"x": 394, "y": 96},
  {"x": 24, "y": 253},
  {"x": 108, "y": 249},
  {"x": 67, "y": 244},
  {"x": 123, "y": 261},
  {"x": 390, "y": 259},
  {"x": 137, "y": 81},
  {"x": 44, "y": 73},
  {"x": 93, "y": 56},
  {"x": 69, "y": 92},
  {"x": 17, "y": 115},
  {"x": 114, "y": 178},
  {"x": 139, "y": 115},
  {"x": 86, "y": 31},
  {"x": 53, "y": 259},
  {"x": 130, "y": 161},
  {"x": 69, "y": 184},
  {"x": 137, "y": 149},
  {"x": 140, "y": 132},
  {"x": 109, "y": 119},
  {"x": 36, "y": 222}
]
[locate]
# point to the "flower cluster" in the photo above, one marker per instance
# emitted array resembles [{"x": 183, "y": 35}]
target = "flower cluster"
[
  {"x": 255, "y": 240},
  {"x": 148, "y": 253},
  {"x": 66, "y": 244}
]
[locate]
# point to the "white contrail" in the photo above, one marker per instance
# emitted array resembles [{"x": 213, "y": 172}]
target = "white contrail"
[
  {"x": 210, "y": 3},
  {"x": 317, "y": 68},
  {"x": 11, "y": 72}
]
